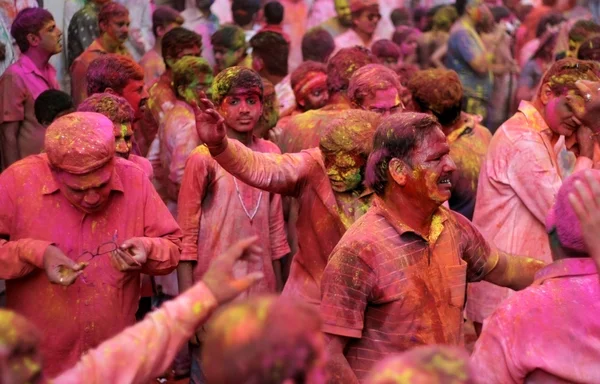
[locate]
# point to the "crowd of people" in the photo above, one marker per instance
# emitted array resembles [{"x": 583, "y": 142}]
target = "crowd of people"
[{"x": 281, "y": 191}]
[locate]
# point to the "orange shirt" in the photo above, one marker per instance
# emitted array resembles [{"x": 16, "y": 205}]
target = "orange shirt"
[{"x": 103, "y": 301}]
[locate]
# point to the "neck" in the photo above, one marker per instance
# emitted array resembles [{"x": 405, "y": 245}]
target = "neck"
[
  {"x": 448, "y": 129},
  {"x": 274, "y": 79},
  {"x": 365, "y": 37},
  {"x": 412, "y": 213},
  {"x": 158, "y": 46},
  {"x": 108, "y": 43},
  {"x": 338, "y": 98},
  {"x": 38, "y": 57},
  {"x": 243, "y": 137}
]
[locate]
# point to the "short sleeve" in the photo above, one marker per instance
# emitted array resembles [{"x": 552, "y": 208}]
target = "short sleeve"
[
  {"x": 13, "y": 94},
  {"x": 345, "y": 289},
  {"x": 465, "y": 46},
  {"x": 476, "y": 251}
]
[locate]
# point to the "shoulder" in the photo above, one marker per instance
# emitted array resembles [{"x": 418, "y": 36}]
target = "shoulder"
[
  {"x": 200, "y": 156},
  {"x": 129, "y": 168},
  {"x": 267, "y": 146},
  {"x": 364, "y": 237},
  {"x": 22, "y": 170},
  {"x": 13, "y": 74}
]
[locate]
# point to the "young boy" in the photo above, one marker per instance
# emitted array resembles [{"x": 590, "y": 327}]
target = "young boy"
[
  {"x": 216, "y": 209},
  {"x": 52, "y": 104}
]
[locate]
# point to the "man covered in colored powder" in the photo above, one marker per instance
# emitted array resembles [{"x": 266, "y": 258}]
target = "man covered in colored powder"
[
  {"x": 230, "y": 48},
  {"x": 376, "y": 88},
  {"x": 439, "y": 92},
  {"x": 305, "y": 130},
  {"x": 177, "y": 132},
  {"x": 39, "y": 39},
  {"x": 113, "y": 22},
  {"x": 397, "y": 277},
  {"x": 365, "y": 17},
  {"x": 82, "y": 30},
  {"x": 270, "y": 339},
  {"x": 84, "y": 208},
  {"x": 139, "y": 353},
  {"x": 327, "y": 181},
  {"x": 216, "y": 208},
  {"x": 118, "y": 110},
  {"x": 163, "y": 20},
  {"x": 341, "y": 22},
  {"x": 547, "y": 333},
  {"x": 526, "y": 163}
]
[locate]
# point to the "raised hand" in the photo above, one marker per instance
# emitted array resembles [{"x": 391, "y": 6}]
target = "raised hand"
[{"x": 210, "y": 125}]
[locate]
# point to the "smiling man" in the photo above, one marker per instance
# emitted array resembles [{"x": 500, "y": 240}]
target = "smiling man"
[
  {"x": 39, "y": 39},
  {"x": 113, "y": 22},
  {"x": 365, "y": 18},
  {"x": 524, "y": 168},
  {"x": 408, "y": 258}
]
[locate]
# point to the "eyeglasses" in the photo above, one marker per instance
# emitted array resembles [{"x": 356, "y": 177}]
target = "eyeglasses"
[
  {"x": 108, "y": 247},
  {"x": 374, "y": 16}
]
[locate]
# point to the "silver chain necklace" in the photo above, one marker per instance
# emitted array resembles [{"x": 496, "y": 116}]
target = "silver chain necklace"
[{"x": 239, "y": 195}]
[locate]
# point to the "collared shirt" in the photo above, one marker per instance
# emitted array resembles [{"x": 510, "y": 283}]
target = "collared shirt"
[
  {"x": 349, "y": 39},
  {"x": 103, "y": 301},
  {"x": 153, "y": 65},
  {"x": 468, "y": 147},
  {"x": 547, "y": 332},
  {"x": 20, "y": 85},
  {"x": 518, "y": 183},
  {"x": 323, "y": 215},
  {"x": 81, "y": 65},
  {"x": 216, "y": 210},
  {"x": 146, "y": 350},
  {"x": 83, "y": 30},
  {"x": 390, "y": 288}
]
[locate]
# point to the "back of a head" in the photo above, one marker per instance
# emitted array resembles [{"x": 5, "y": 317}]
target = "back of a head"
[
  {"x": 164, "y": 16},
  {"x": 17, "y": 332},
  {"x": 549, "y": 20},
  {"x": 432, "y": 364},
  {"x": 187, "y": 69},
  {"x": 264, "y": 340},
  {"x": 304, "y": 70},
  {"x": 444, "y": 18},
  {"x": 351, "y": 132},
  {"x": 178, "y": 40},
  {"x": 52, "y": 104},
  {"x": 563, "y": 74},
  {"x": 317, "y": 45},
  {"x": 229, "y": 36},
  {"x": 244, "y": 11},
  {"x": 233, "y": 78},
  {"x": 112, "y": 71},
  {"x": 29, "y": 21},
  {"x": 385, "y": 48},
  {"x": 274, "y": 12},
  {"x": 343, "y": 64},
  {"x": 562, "y": 221},
  {"x": 402, "y": 34},
  {"x": 499, "y": 12},
  {"x": 367, "y": 80},
  {"x": 116, "y": 108},
  {"x": 590, "y": 49},
  {"x": 273, "y": 49},
  {"x": 439, "y": 91},
  {"x": 401, "y": 16},
  {"x": 582, "y": 30},
  {"x": 110, "y": 11}
]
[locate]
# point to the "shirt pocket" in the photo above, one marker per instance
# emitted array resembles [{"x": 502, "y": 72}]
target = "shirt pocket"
[{"x": 456, "y": 281}]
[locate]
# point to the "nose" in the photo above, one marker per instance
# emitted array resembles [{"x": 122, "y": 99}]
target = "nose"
[
  {"x": 244, "y": 107},
  {"x": 145, "y": 94},
  {"x": 122, "y": 146},
  {"x": 450, "y": 165},
  {"x": 91, "y": 197}
]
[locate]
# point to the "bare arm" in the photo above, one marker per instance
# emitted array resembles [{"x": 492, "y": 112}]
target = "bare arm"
[
  {"x": 338, "y": 367},
  {"x": 185, "y": 275},
  {"x": 438, "y": 56},
  {"x": 278, "y": 275},
  {"x": 9, "y": 132},
  {"x": 514, "y": 272}
]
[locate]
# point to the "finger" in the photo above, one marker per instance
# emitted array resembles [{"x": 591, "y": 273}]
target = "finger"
[
  {"x": 594, "y": 186},
  {"x": 127, "y": 258},
  {"x": 584, "y": 86},
  {"x": 247, "y": 281},
  {"x": 237, "y": 250},
  {"x": 117, "y": 262},
  {"x": 584, "y": 199},
  {"x": 580, "y": 211},
  {"x": 69, "y": 278}
]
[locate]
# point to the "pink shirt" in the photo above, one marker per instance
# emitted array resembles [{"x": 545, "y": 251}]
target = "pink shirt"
[
  {"x": 20, "y": 85},
  {"x": 212, "y": 217},
  {"x": 103, "y": 301},
  {"x": 142, "y": 352},
  {"x": 323, "y": 216},
  {"x": 143, "y": 163},
  {"x": 518, "y": 183},
  {"x": 153, "y": 65},
  {"x": 547, "y": 332}
]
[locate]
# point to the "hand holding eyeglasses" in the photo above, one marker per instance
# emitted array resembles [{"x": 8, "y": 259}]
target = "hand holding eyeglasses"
[
  {"x": 59, "y": 268},
  {"x": 129, "y": 256}
]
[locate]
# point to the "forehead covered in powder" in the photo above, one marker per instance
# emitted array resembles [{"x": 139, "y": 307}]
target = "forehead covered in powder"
[
  {"x": 80, "y": 142},
  {"x": 351, "y": 132},
  {"x": 235, "y": 79}
]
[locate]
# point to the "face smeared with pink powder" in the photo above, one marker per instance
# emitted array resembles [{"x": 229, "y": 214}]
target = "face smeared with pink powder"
[
  {"x": 88, "y": 192},
  {"x": 241, "y": 109},
  {"x": 123, "y": 135}
]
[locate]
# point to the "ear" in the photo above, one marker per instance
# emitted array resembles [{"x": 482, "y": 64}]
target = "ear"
[
  {"x": 160, "y": 31},
  {"x": 257, "y": 63},
  {"x": 545, "y": 94},
  {"x": 398, "y": 170},
  {"x": 301, "y": 102},
  {"x": 33, "y": 39},
  {"x": 112, "y": 91},
  {"x": 102, "y": 26}
]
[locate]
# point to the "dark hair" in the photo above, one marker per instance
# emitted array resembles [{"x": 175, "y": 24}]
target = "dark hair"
[
  {"x": 304, "y": 69},
  {"x": 582, "y": 30},
  {"x": 563, "y": 74},
  {"x": 112, "y": 71},
  {"x": 116, "y": 108},
  {"x": 343, "y": 64},
  {"x": 444, "y": 18},
  {"x": 235, "y": 77},
  {"x": 51, "y": 104},
  {"x": 29, "y": 20},
  {"x": 549, "y": 20},
  {"x": 229, "y": 36},
  {"x": 401, "y": 16},
  {"x": 439, "y": 91},
  {"x": 396, "y": 137},
  {"x": 274, "y": 12},
  {"x": 590, "y": 49},
  {"x": 177, "y": 40},
  {"x": 400, "y": 35},
  {"x": 110, "y": 11},
  {"x": 317, "y": 45},
  {"x": 243, "y": 11},
  {"x": 273, "y": 49},
  {"x": 163, "y": 16},
  {"x": 499, "y": 12},
  {"x": 385, "y": 48}
]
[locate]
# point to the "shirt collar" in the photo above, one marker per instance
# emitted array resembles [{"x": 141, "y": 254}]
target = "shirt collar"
[
  {"x": 51, "y": 185},
  {"x": 535, "y": 120},
  {"x": 566, "y": 268},
  {"x": 29, "y": 67},
  {"x": 437, "y": 223}
]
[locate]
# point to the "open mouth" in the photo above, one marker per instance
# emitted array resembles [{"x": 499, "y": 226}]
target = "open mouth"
[{"x": 445, "y": 181}]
